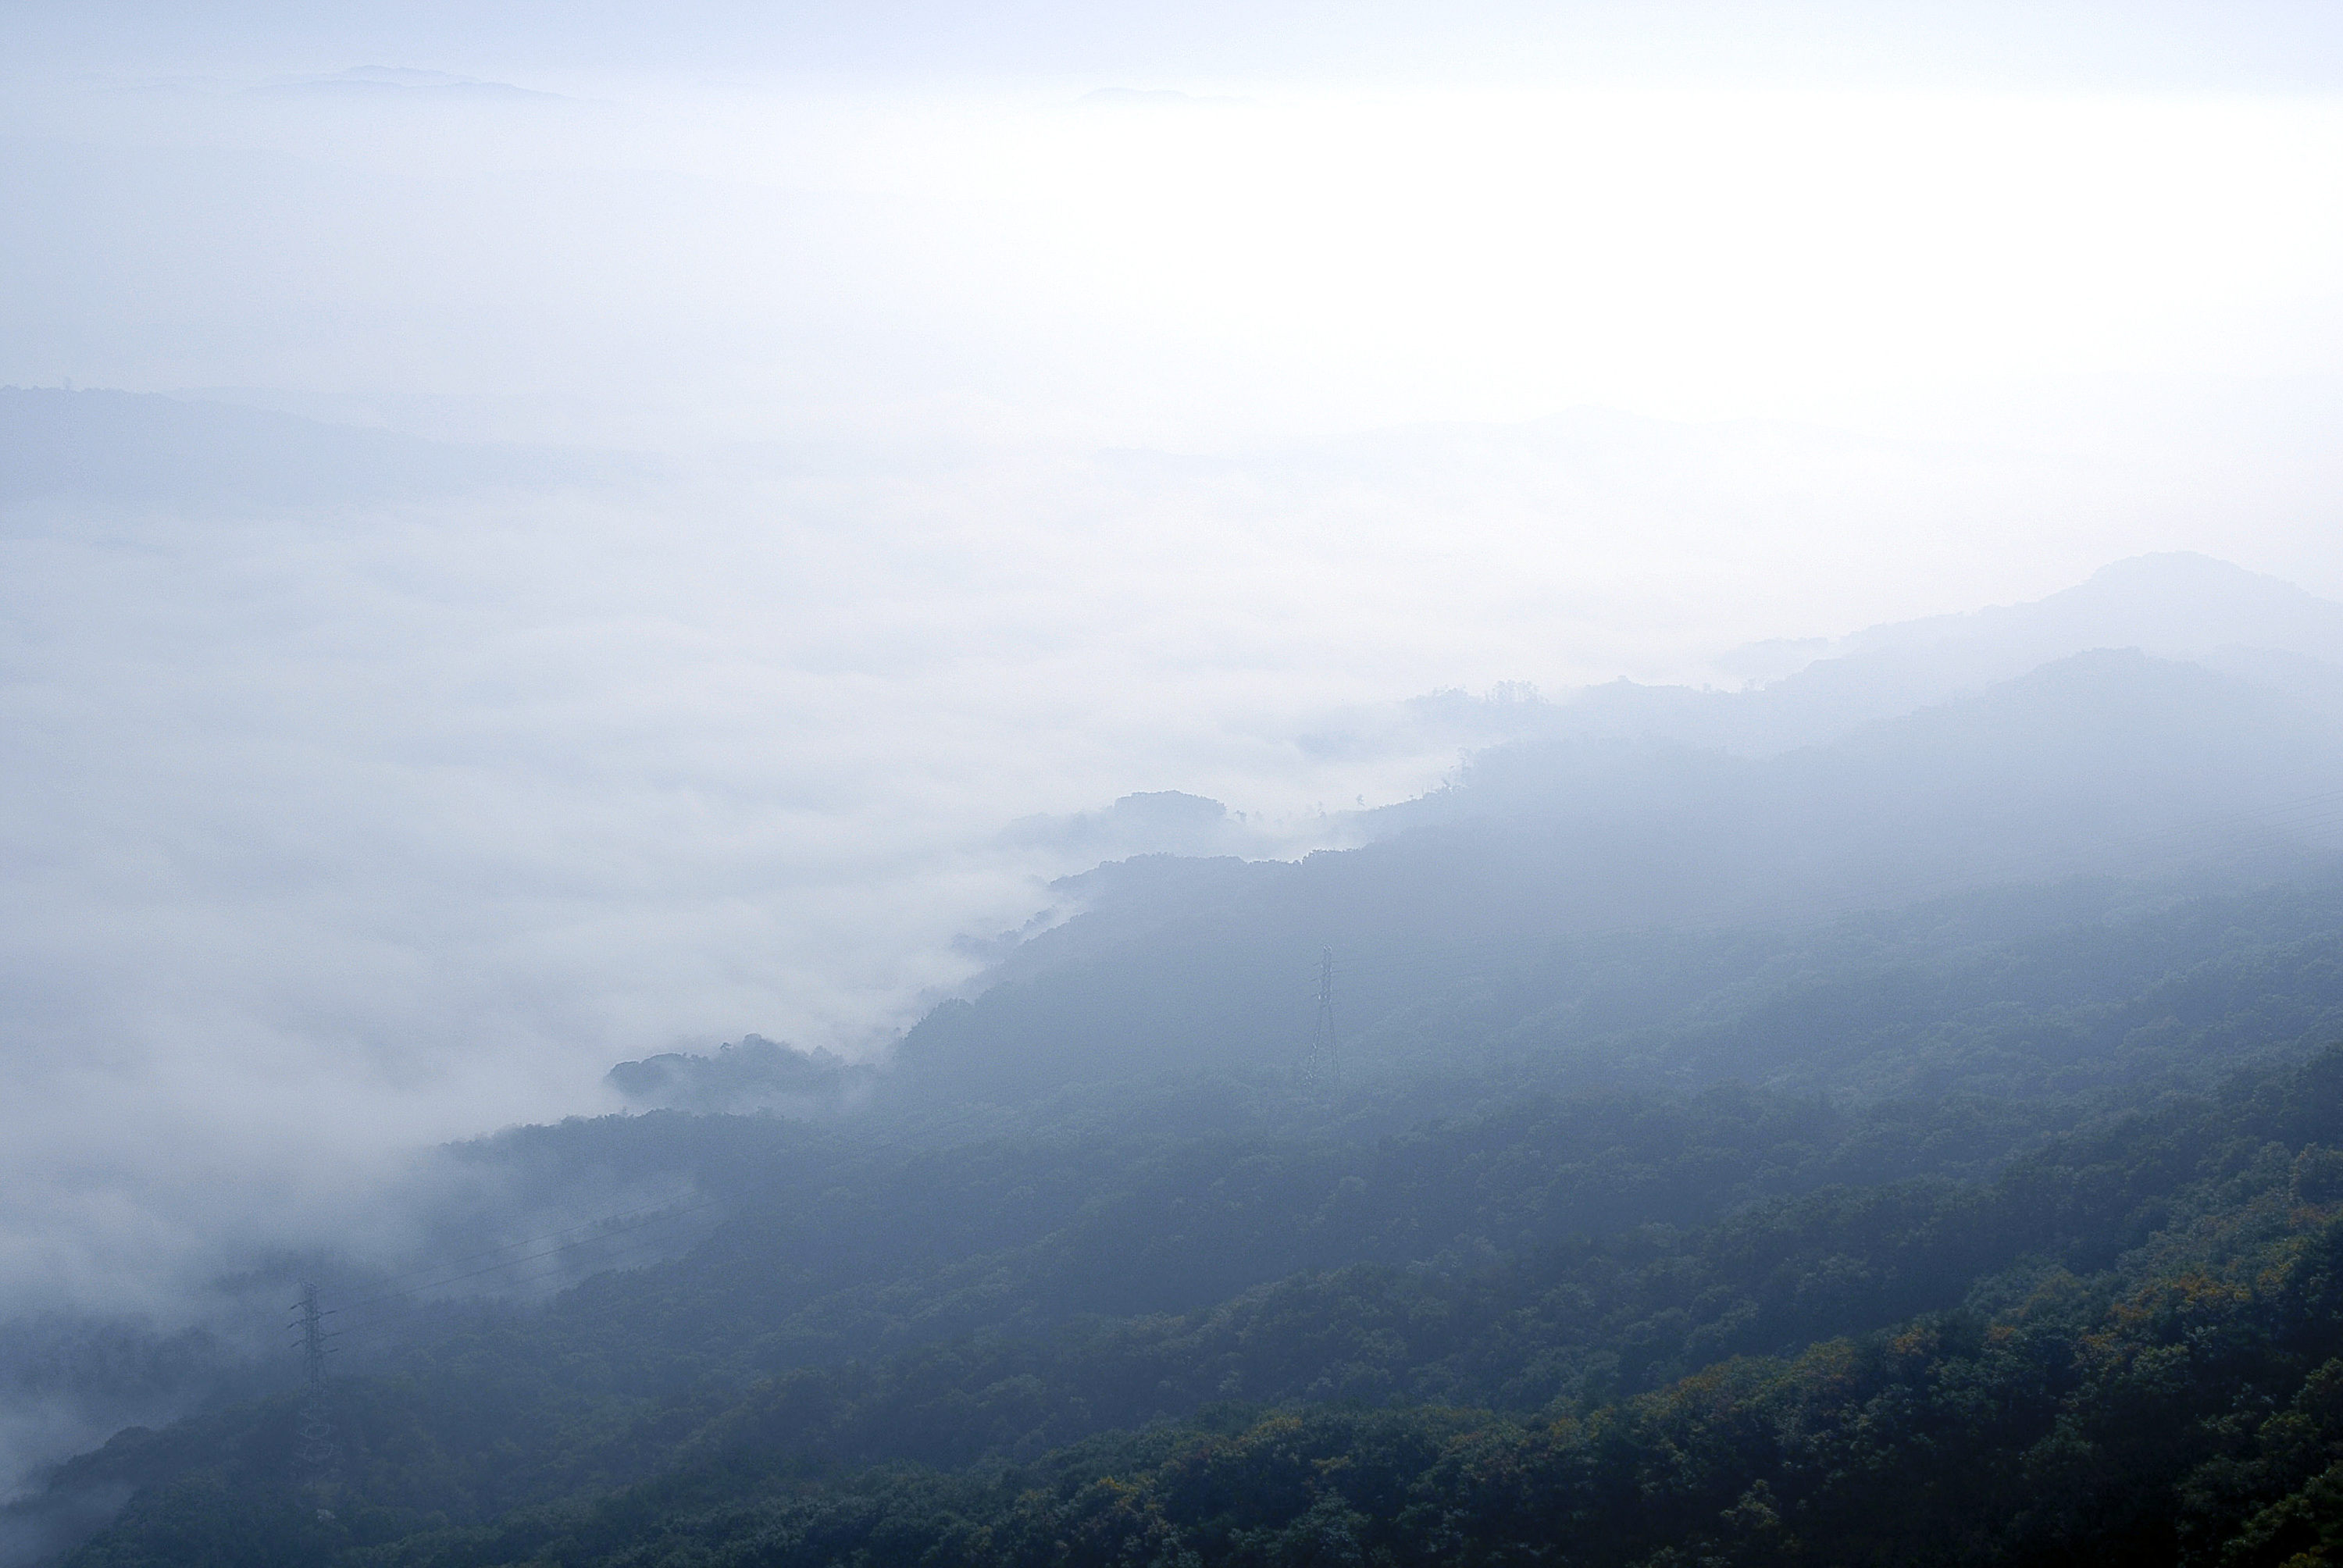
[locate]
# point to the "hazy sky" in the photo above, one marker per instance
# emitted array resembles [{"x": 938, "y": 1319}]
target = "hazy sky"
[
  {"x": 1021, "y": 369},
  {"x": 710, "y": 222},
  {"x": 2250, "y": 45}
]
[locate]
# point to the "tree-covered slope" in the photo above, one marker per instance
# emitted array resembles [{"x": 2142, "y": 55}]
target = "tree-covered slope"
[
  {"x": 1565, "y": 871},
  {"x": 2124, "y": 1346},
  {"x": 1616, "y": 1194}
]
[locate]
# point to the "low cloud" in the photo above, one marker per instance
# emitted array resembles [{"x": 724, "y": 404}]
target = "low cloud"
[{"x": 333, "y": 829}]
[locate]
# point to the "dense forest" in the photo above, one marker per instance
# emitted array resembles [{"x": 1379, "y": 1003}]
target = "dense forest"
[
  {"x": 2130, "y": 1343},
  {"x": 2067, "y": 1289}
]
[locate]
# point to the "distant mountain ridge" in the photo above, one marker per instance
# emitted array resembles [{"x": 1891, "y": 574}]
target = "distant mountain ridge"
[
  {"x": 2174, "y": 606},
  {"x": 144, "y": 452},
  {"x": 2109, "y": 764}
]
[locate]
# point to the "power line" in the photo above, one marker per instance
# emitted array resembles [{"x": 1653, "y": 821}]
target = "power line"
[
  {"x": 603, "y": 1223},
  {"x": 381, "y": 1331},
  {"x": 603, "y": 1229},
  {"x": 377, "y": 1333}
]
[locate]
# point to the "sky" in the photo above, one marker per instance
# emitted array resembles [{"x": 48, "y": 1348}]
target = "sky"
[
  {"x": 715, "y": 222},
  {"x": 1049, "y": 402}
]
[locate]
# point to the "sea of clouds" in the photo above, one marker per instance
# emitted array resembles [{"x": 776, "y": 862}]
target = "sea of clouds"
[{"x": 1010, "y": 444}]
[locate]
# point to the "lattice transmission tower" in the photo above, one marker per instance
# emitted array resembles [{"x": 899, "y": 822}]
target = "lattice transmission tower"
[
  {"x": 1318, "y": 1070},
  {"x": 313, "y": 1449}
]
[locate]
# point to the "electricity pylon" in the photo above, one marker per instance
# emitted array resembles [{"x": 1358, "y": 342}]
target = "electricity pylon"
[
  {"x": 1318, "y": 1071},
  {"x": 313, "y": 1450}
]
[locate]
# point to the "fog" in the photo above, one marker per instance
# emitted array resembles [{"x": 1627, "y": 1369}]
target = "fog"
[{"x": 823, "y": 462}]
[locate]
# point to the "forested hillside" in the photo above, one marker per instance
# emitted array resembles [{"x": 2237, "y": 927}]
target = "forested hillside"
[
  {"x": 2125, "y": 1344},
  {"x": 1583, "y": 887},
  {"x": 1439, "y": 1315},
  {"x": 1925, "y": 1147}
]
